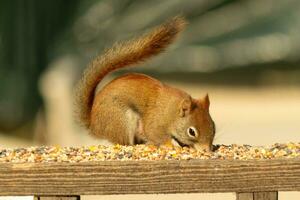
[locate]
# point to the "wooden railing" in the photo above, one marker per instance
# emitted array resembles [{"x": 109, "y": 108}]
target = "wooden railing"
[{"x": 250, "y": 180}]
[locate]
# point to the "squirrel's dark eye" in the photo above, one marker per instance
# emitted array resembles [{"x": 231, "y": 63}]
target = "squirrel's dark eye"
[{"x": 192, "y": 132}]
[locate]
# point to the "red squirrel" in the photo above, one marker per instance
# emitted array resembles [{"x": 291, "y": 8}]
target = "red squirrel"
[{"x": 136, "y": 108}]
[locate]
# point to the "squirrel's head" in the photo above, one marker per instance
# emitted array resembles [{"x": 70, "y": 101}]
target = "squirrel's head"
[{"x": 194, "y": 127}]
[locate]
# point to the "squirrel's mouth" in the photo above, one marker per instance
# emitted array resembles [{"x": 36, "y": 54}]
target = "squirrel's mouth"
[{"x": 181, "y": 144}]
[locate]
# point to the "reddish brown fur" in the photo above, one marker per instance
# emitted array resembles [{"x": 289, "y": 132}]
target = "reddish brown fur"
[
  {"x": 119, "y": 56},
  {"x": 138, "y": 106}
]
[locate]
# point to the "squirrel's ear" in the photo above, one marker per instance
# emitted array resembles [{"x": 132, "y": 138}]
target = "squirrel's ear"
[
  {"x": 185, "y": 107},
  {"x": 205, "y": 102}
]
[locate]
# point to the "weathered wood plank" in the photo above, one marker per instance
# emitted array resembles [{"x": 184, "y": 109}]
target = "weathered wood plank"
[
  {"x": 265, "y": 195},
  {"x": 244, "y": 196},
  {"x": 57, "y": 198},
  {"x": 145, "y": 177}
]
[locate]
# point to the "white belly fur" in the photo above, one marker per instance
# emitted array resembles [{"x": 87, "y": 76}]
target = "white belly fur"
[{"x": 133, "y": 124}]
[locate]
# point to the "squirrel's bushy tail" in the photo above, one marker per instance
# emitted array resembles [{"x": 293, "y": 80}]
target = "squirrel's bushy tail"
[{"x": 119, "y": 56}]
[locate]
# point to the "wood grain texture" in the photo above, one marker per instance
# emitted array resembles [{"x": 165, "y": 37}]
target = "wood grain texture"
[
  {"x": 57, "y": 198},
  {"x": 257, "y": 196},
  {"x": 148, "y": 177},
  {"x": 265, "y": 195}
]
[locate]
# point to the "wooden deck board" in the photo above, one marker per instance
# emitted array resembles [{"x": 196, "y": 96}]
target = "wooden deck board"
[{"x": 149, "y": 177}]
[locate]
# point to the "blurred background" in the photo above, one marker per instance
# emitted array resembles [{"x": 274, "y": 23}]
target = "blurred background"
[{"x": 244, "y": 53}]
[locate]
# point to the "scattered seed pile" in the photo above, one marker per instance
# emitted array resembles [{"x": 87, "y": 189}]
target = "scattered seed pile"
[{"x": 145, "y": 152}]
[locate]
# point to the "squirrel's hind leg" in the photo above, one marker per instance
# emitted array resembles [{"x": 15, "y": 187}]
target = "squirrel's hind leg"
[{"x": 116, "y": 124}]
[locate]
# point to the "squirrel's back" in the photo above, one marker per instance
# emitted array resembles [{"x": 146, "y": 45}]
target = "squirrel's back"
[{"x": 119, "y": 56}]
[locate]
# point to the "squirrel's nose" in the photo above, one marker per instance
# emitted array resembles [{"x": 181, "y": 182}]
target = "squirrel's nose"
[{"x": 201, "y": 147}]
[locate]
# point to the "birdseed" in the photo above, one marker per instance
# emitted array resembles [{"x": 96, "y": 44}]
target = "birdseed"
[{"x": 50, "y": 154}]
